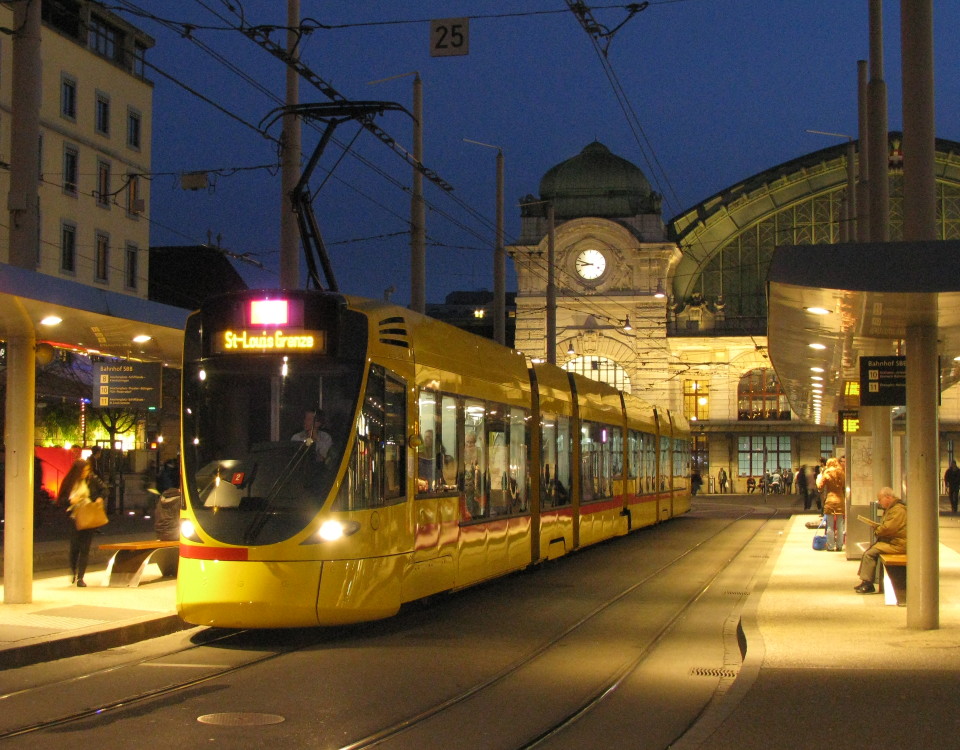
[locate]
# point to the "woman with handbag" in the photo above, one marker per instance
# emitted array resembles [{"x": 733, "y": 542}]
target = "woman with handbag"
[{"x": 86, "y": 508}]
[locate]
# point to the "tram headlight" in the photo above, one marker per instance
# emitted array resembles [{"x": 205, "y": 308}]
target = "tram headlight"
[
  {"x": 188, "y": 530},
  {"x": 331, "y": 530}
]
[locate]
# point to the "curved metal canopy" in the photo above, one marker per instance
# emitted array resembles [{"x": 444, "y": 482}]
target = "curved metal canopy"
[
  {"x": 856, "y": 300},
  {"x": 91, "y": 319}
]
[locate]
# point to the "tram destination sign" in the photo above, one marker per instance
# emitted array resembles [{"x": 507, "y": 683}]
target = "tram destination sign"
[
  {"x": 126, "y": 385},
  {"x": 883, "y": 381}
]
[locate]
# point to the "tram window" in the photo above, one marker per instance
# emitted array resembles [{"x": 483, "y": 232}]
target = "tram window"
[
  {"x": 395, "y": 439},
  {"x": 590, "y": 459},
  {"x": 448, "y": 445},
  {"x": 633, "y": 454},
  {"x": 375, "y": 473},
  {"x": 664, "y": 463},
  {"x": 564, "y": 456},
  {"x": 517, "y": 482},
  {"x": 429, "y": 457},
  {"x": 548, "y": 460},
  {"x": 649, "y": 463},
  {"x": 497, "y": 460},
  {"x": 474, "y": 479},
  {"x": 616, "y": 454}
]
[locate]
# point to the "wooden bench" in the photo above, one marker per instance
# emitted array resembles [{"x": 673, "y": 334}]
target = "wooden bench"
[
  {"x": 130, "y": 559},
  {"x": 893, "y": 581}
]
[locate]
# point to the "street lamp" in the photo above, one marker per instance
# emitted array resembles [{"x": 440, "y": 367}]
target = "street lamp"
[{"x": 499, "y": 256}]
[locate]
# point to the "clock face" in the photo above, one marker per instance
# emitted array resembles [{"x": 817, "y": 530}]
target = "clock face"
[{"x": 591, "y": 264}]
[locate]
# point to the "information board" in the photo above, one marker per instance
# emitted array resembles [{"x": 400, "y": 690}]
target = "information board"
[
  {"x": 126, "y": 385},
  {"x": 883, "y": 381}
]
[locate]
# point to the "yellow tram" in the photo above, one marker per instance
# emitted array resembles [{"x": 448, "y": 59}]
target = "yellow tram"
[{"x": 343, "y": 456}]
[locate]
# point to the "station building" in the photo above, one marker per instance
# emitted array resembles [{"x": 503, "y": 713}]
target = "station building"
[
  {"x": 676, "y": 312},
  {"x": 95, "y": 135}
]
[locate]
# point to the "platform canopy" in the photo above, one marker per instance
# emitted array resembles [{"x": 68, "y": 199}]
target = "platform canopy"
[
  {"x": 92, "y": 320},
  {"x": 856, "y": 300}
]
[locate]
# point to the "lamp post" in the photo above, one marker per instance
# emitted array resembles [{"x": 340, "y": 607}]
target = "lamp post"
[{"x": 499, "y": 257}]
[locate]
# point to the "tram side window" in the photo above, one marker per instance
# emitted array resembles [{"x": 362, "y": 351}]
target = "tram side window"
[
  {"x": 591, "y": 461},
  {"x": 649, "y": 462},
  {"x": 681, "y": 460},
  {"x": 436, "y": 464},
  {"x": 395, "y": 439},
  {"x": 633, "y": 454},
  {"x": 664, "y": 464},
  {"x": 518, "y": 488},
  {"x": 616, "y": 454},
  {"x": 375, "y": 473},
  {"x": 449, "y": 446},
  {"x": 497, "y": 458},
  {"x": 548, "y": 460},
  {"x": 427, "y": 451},
  {"x": 474, "y": 477},
  {"x": 564, "y": 458}
]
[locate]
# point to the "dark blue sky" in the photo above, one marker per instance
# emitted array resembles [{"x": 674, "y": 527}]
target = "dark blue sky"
[{"x": 722, "y": 89}]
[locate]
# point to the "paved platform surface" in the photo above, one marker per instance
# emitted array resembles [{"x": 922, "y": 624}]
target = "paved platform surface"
[{"x": 824, "y": 665}]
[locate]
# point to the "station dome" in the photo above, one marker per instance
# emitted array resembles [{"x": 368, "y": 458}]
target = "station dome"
[{"x": 596, "y": 182}]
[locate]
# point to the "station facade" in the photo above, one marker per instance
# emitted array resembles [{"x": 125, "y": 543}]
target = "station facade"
[{"x": 676, "y": 312}]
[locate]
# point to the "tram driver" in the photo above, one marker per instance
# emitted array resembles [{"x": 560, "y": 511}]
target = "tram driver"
[{"x": 314, "y": 424}]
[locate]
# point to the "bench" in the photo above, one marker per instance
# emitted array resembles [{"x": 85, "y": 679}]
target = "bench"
[
  {"x": 893, "y": 582},
  {"x": 130, "y": 559}
]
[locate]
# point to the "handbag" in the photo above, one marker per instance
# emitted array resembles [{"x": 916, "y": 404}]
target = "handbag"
[
  {"x": 90, "y": 515},
  {"x": 820, "y": 540}
]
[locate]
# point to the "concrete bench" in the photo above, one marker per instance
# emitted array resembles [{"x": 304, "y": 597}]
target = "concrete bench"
[
  {"x": 130, "y": 559},
  {"x": 893, "y": 582}
]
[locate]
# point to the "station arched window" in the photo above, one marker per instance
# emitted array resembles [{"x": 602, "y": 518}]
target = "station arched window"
[
  {"x": 601, "y": 369},
  {"x": 759, "y": 396}
]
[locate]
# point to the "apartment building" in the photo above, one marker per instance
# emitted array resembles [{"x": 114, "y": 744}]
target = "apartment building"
[{"x": 95, "y": 135}]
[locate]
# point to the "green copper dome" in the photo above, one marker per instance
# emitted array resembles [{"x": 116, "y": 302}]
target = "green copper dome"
[{"x": 596, "y": 182}]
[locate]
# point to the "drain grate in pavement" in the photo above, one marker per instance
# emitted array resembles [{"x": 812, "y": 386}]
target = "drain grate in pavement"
[{"x": 712, "y": 672}]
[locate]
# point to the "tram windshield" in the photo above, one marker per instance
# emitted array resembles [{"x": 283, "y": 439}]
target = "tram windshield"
[{"x": 263, "y": 440}]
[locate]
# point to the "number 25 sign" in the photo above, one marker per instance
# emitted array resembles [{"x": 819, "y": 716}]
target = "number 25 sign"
[{"x": 449, "y": 36}]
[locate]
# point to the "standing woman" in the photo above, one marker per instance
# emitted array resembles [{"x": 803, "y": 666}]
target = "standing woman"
[
  {"x": 88, "y": 489},
  {"x": 832, "y": 483}
]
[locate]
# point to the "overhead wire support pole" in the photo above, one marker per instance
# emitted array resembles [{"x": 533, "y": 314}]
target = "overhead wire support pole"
[
  {"x": 332, "y": 114},
  {"x": 261, "y": 36}
]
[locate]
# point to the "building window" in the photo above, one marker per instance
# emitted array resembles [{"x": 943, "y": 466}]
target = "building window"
[
  {"x": 104, "y": 39},
  {"x": 103, "y": 183},
  {"x": 139, "y": 59},
  {"x": 68, "y": 98},
  {"x": 135, "y": 204},
  {"x": 601, "y": 369},
  {"x": 71, "y": 161},
  {"x": 102, "y": 114},
  {"x": 68, "y": 248},
  {"x": 759, "y": 453},
  {"x": 759, "y": 396},
  {"x": 696, "y": 400},
  {"x": 133, "y": 129},
  {"x": 828, "y": 445},
  {"x": 700, "y": 454},
  {"x": 130, "y": 266},
  {"x": 101, "y": 261}
]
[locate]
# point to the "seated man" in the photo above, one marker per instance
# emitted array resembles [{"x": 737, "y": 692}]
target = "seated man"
[{"x": 891, "y": 537}]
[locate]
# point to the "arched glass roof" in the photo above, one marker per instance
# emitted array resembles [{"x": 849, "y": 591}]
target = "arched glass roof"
[{"x": 729, "y": 239}]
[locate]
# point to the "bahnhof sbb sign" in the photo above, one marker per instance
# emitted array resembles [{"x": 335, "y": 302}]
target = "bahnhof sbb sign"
[
  {"x": 126, "y": 385},
  {"x": 883, "y": 381}
]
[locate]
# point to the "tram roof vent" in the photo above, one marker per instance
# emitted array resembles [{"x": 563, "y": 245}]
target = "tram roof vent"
[{"x": 393, "y": 331}]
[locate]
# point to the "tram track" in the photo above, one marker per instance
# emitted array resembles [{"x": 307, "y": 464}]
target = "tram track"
[
  {"x": 254, "y": 653},
  {"x": 220, "y": 640},
  {"x": 410, "y": 724}
]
